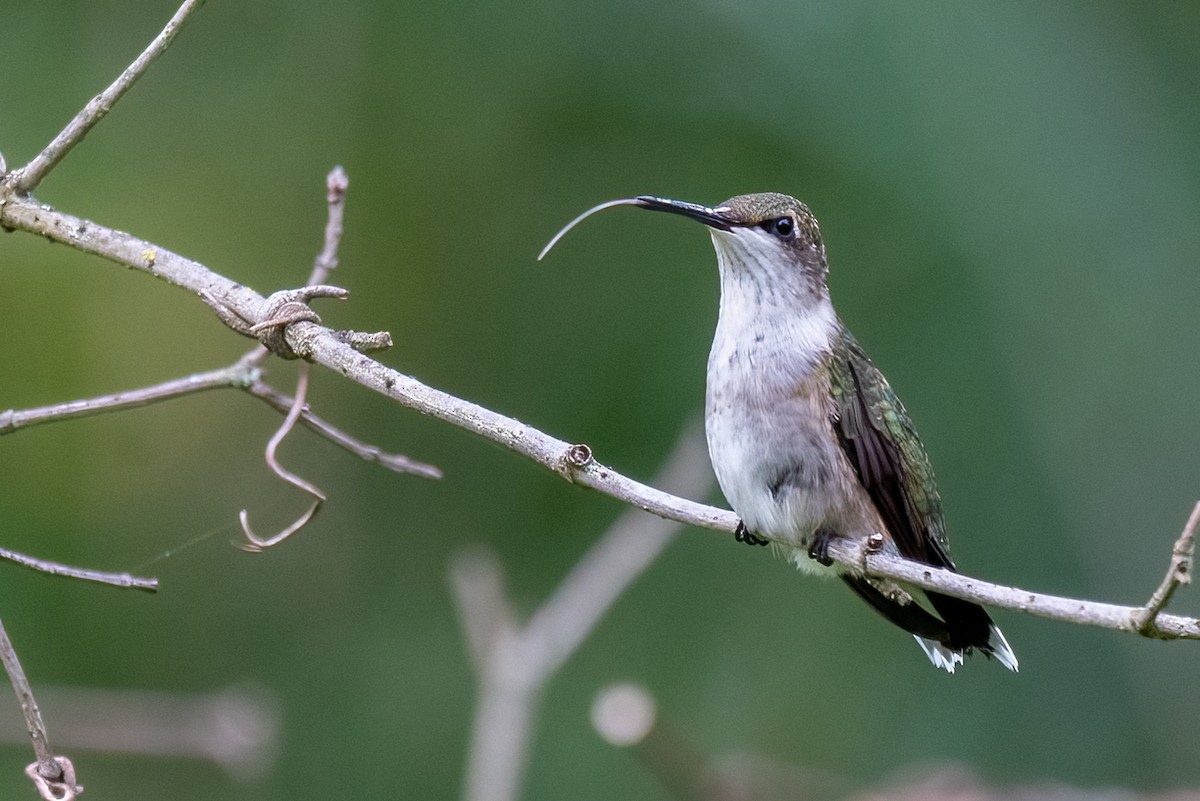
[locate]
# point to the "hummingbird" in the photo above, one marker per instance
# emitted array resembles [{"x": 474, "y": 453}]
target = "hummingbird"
[{"x": 808, "y": 441}]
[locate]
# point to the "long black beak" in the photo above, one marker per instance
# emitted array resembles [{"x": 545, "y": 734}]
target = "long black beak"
[{"x": 713, "y": 218}]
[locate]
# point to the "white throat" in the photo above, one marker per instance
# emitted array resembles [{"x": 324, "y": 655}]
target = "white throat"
[{"x": 769, "y": 305}]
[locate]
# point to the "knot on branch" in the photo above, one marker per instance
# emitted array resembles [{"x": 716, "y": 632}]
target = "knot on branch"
[
  {"x": 574, "y": 460},
  {"x": 61, "y": 787},
  {"x": 579, "y": 455},
  {"x": 286, "y": 307}
]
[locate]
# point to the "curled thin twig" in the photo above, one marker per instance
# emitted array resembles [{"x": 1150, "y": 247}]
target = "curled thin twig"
[
  {"x": 392, "y": 461},
  {"x": 256, "y": 543}
]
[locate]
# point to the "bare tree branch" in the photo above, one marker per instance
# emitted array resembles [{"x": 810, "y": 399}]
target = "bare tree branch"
[
  {"x": 1066, "y": 610},
  {"x": 513, "y": 662},
  {"x": 485, "y": 613},
  {"x": 47, "y": 767},
  {"x": 574, "y": 463},
  {"x": 26, "y": 179}
]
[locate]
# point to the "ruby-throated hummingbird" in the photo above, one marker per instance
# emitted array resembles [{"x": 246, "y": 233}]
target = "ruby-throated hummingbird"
[{"x": 808, "y": 441}]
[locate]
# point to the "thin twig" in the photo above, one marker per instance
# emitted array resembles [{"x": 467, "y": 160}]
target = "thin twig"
[
  {"x": 242, "y": 375},
  {"x": 26, "y": 179},
  {"x": 336, "y": 184},
  {"x": 236, "y": 375},
  {"x": 33, "y": 716},
  {"x": 257, "y": 543},
  {"x": 1179, "y": 572},
  {"x": 47, "y": 766},
  {"x": 123, "y": 580},
  {"x": 485, "y": 612}
]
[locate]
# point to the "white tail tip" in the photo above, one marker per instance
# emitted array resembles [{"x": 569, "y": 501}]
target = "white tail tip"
[{"x": 946, "y": 659}]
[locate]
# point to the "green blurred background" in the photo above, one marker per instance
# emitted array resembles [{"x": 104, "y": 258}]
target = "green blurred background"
[{"x": 1010, "y": 196}]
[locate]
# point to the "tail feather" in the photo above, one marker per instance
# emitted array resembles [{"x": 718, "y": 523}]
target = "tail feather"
[
  {"x": 941, "y": 656},
  {"x": 961, "y": 628},
  {"x": 998, "y": 649},
  {"x": 911, "y": 617}
]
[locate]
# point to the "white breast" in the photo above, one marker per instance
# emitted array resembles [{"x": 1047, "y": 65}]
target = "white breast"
[{"x": 767, "y": 420}]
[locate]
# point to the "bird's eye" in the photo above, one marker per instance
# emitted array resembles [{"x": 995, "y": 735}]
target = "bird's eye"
[{"x": 782, "y": 227}]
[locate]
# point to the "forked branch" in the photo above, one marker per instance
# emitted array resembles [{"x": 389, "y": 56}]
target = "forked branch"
[
  {"x": 332, "y": 350},
  {"x": 26, "y": 179}
]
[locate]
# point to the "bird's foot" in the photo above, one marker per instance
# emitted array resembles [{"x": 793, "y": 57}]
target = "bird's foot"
[
  {"x": 819, "y": 550},
  {"x": 742, "y": 534}
]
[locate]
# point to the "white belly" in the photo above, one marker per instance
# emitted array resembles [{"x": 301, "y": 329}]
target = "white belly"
[
  {"x": 778, "y": 473},
  {"x": 768, "y": 420}
]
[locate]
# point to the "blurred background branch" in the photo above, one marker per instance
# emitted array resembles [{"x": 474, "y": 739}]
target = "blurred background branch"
[
  {"x": 236, "y": 728},
  {"x": 514, "y": 661},
  {"x": 626, "y": 716}
]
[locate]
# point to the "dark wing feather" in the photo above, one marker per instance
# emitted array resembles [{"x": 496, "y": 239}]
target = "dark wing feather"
[{"x": 879, "y": 439}]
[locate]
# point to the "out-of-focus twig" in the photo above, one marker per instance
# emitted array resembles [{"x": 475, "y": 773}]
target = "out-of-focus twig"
[
  {"x": 236, "y": 728},
  {"x": 626, "y": 716}
]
